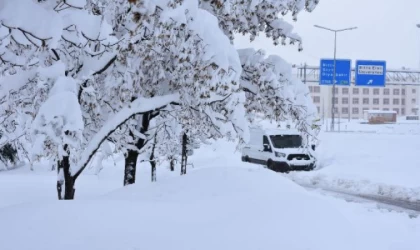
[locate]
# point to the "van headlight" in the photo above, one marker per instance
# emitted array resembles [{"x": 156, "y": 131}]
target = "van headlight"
[{"x": 281, "y": 155}]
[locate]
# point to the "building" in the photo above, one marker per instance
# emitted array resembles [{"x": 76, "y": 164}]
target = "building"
[{"x": 401, "y": 94}]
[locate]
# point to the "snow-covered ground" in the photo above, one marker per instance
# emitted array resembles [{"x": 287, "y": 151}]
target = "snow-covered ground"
[
  {"x": 232, "y": 207},
  {"x": 223, "y": 203}
]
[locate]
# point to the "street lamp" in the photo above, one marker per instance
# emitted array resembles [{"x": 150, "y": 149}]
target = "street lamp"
[
  {"x": 418, "y": 102},
  {"x": 335, "y": 52},
  {"x": 418, "y": 26}
]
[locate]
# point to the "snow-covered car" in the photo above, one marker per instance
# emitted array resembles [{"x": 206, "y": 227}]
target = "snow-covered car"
[{"x": 280, "y": 150}]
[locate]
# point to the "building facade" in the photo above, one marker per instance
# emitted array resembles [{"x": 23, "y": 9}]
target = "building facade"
[{"x": 351, "y": 101}]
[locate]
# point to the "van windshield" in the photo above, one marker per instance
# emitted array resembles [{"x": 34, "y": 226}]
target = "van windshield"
[{"x": 286, "y": 141}]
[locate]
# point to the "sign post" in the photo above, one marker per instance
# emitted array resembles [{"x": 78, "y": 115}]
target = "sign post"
[
  {"x": 342, "y": 72},
  {"x": 335, "y": 72},
  {"x": 370, "y": 73}
]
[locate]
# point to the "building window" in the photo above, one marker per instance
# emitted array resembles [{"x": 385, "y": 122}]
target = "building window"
[
  {"x": 403, "y": 101},
  {"x": 386, "y": 101},
  {"x": 403, "y": 92},
  {"x": 396, "y": 91},
  {"x": 317, "y": 89},
  {"x": 414, "y": 111},
  {"x": 335, "y": 100},
  {"x": 413, "y": 101},
  {"x": 345, "y": 100},
  {"x": 397, "y": 110},
  {"x": 335, "y": 110},
  {"x": 365, "y": 100},
  {"x": 355, "y": 100},
  {"x": 403, "y": 111},
  {"x": 319, "y": 110},
  {"x": 336, "y": 90},
  {"x": 386, "y": 109},
  {"x": 345, "y": 91},
  {"x": 365, "y": 109},
  {"x": 376, "y": 91},
  {"x": 366, "y": 91},
  {"x": 345, "y": 111},
  {"x": 311, "y": 89},
  {"x": 317, "y": 99},
  {"x": 376, "y": 101},
  {"x": 386, "y": 91},
  {"x": 413, "y": 91},
  {"x": 355, "y": 111},
  {"x": 355, "y": 91},
  {"x": 396, "y": 101}
]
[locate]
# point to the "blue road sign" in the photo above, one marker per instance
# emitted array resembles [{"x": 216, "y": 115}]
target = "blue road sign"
[
  {"x": 370, "y": 73},
  {"x": 342, "y": 72}
]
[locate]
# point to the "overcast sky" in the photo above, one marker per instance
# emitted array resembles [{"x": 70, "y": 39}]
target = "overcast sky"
[{"x": 386, "y": 31}]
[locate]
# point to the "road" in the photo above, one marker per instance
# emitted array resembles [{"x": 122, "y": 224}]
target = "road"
[{"x": 410, "y": 207}]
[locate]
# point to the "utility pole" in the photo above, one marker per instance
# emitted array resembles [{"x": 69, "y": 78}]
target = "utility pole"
[
  {"x": 334, "y": 72},
  {"x": 418, "y": 26},
  {"x": 418, "y": 89}
]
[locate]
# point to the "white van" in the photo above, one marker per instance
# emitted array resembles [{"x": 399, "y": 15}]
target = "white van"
[{"x": 279, "y": 150}]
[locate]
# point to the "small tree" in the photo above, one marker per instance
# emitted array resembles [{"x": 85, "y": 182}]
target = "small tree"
[{"x": 58, "y": 132}]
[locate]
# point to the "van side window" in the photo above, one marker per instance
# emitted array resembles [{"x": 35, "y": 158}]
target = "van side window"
[{"x": 265, "y": 140}]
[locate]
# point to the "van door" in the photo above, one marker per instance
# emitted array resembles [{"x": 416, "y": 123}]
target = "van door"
[{"x": 266, "y": 151}]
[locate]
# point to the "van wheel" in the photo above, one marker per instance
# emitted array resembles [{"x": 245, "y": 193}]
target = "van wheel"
[
  {"x": 270, "y": 164},
  {"x": 245, "y": 158}
]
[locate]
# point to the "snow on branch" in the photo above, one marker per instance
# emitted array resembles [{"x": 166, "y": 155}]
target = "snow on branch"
[
  {"x": 138, "y": 106},
  {"x": 30, "y": 24},
  {"x": 59, "y": 122}
]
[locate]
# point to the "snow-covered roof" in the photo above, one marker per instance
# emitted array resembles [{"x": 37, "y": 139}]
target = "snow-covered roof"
[{"x": 282, "y": 132}]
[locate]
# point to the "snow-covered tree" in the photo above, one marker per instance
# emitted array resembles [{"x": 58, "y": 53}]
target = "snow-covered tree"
[
  {"x": 58, "y": 131},
  {"x": 273, "y": 92},
  {"x": 166, "y": 50},
  {"x": 256, "y": 16},
  {"x": 42, "y": 42},
  {"x": 267, "y": 81},
  {"x": 260, "y": 16},
  {"x": 125, "y": 68}
]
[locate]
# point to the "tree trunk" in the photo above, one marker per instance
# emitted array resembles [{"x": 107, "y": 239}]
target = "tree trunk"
[
  {"x": 68, "y": 180},
  {"x": 172, "y": 164},
  {"x": 153, "y": 160},
  {"x": 60, "y": 181},
  {"x": 153, "y": 164},
  {"x": 131, "y": 157},
  {"x": 184, "y": 156},
  {"x": 130, "y": 167}
]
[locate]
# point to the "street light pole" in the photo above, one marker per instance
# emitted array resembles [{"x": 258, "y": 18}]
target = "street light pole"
[
  {"x": 334, "y": 72},
  {"x": 418, "y": 26},
  {"x": 418, "y": 89}
]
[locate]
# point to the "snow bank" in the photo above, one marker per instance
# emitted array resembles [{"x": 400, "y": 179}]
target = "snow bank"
[
  {"x": 367, "y": 164},
  {"x": 356, "y": 187},
  {"x": 213, "y": 208}
]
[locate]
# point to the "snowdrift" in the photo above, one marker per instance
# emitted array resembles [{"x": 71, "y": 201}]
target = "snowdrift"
[{"x": 209, "y": 209}]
